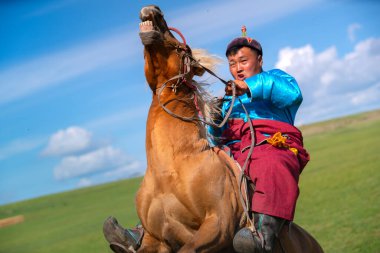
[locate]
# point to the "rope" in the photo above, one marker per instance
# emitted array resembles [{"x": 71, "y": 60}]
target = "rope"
[
  {"x": 242, "y": 178},
  {"x": 180, "y": 79}
]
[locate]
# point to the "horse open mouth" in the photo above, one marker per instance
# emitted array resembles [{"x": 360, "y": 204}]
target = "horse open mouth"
[
  {"x": 149, "y": 34},
  {"x": 153, "y": 25},
  {"x": 146, "y": 26}
]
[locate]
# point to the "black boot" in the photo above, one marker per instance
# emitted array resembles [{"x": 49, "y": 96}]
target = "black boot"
[
  {"x": 122, "y": 240},
  {"x": 268, "y": 227}
]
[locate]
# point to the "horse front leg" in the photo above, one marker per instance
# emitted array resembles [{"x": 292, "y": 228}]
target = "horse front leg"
[
  {"x": 211, "y": 237},
  {"x": 150, "y": 244}
]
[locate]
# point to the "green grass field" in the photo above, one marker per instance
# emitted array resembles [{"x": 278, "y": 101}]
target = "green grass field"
[{"x": 339, "y": 202}]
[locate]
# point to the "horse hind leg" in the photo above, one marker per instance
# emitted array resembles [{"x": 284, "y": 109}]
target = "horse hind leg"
[
  {"x": 152, "y": 245},
  {"x": 209, "y": 238}
]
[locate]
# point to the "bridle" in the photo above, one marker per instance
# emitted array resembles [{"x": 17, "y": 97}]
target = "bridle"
[{"x": 186, "y": 62}]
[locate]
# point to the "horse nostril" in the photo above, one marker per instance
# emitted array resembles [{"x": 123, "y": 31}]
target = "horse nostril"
[
  {"x": 149, "y": 12},
  {"x": 143, "y": 15}
]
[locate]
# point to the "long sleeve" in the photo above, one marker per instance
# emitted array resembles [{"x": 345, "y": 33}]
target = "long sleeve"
[
  {"x": 276, "y": 87},
  {"x": 274, "y": 95}
]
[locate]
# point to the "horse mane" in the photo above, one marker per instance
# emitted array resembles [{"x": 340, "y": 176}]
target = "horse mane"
[
  {"x": 206, "y": 59},
  {"x": 208, "y": 104}
]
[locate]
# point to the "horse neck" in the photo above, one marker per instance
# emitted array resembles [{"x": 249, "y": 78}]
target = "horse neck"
[
  {"x": 169, "y": 138},
  {"x": 174, "y": 137},
  {"x": 157, "y": 65}
]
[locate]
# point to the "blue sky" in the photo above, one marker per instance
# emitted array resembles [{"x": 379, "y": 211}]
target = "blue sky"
[{"x": 73, "y": 96}]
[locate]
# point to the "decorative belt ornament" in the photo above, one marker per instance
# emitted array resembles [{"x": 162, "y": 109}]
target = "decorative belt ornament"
[{"x": 279, "y": 140}]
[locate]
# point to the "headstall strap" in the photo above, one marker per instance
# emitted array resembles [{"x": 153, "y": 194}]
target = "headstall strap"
[
  {"x": 186, "y": 64},
  {"x": 180, "y": 34},
  {"x": 185, "y": 68}
]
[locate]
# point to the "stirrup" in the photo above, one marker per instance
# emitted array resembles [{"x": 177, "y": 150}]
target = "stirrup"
[
  {"x": 134, "y": 236},
  {"x": 246, "y": 242}
]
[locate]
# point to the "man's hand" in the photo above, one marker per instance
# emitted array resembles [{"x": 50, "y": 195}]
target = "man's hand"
[{"x": 241, "y": 88}]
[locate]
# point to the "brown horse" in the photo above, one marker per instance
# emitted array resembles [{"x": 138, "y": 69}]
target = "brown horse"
[{"x": 188, "y": 200}]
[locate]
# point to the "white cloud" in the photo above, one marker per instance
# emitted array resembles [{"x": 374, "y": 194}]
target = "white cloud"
[
  {"x": 85, "y": 182},
  {"x": 331, "y": 85},
  {"x": 352, "y": 28},
  {"x": 134, "y": 168},
  {"x": 19, "y": 146},
  {"x": 367, "y": 96},
  {"x": 82, "y": 158},
  {"x": 338, "y": 105},
  {"x": 95, "y": 161},
  {"x": 68, "y": 141}
]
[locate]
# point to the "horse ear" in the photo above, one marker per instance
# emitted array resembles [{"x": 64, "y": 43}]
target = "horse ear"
[{"x": 198, "y": 71}]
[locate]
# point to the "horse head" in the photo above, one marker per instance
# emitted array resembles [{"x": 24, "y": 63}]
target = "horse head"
[{"x": 165, "y": 56}]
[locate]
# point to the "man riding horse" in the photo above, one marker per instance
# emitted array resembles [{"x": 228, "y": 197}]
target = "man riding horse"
[{"x": 272, "y": 99}]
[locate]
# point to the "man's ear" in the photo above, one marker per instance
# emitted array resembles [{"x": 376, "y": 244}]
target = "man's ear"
[{"x": 260, "y": 58}]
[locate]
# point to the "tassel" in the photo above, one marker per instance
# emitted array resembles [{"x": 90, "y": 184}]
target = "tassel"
[
  {"x": 278, "y": 140},
  {"x": 244, "y": 31}
]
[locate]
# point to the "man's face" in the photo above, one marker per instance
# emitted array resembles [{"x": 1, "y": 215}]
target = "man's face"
[{"x": 245, "y": 63}]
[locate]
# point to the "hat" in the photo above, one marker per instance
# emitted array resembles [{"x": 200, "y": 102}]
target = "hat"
[{"x": 245, "y": 41}]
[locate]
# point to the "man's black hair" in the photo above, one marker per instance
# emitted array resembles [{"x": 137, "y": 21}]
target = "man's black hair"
[{"x": 233, "y": 50}]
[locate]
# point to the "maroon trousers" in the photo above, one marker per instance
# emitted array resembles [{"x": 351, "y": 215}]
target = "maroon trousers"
[{"x": 275, "y": 171}]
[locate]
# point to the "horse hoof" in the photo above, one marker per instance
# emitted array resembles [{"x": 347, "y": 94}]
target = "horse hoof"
[
  {"x": 245, "y": 242},
  {"x": 114, "y": 234}
]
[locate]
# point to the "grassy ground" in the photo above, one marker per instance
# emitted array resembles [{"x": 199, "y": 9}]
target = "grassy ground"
[
  {"x": 340, "y": 189},
  {"x": 339, "y": 202},
  {"x": 68, "y": 222}
]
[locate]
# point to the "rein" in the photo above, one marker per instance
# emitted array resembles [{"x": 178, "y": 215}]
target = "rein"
[{"x": 187, "y": 60}]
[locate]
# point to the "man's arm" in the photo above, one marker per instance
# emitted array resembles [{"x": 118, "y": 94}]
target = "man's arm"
[{"x": 275, "y": 86}]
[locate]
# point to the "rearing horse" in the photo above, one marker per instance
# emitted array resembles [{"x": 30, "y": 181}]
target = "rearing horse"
[{"x": 188, "y": 200}]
